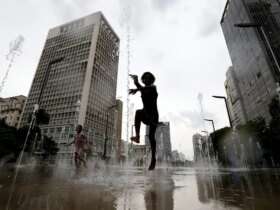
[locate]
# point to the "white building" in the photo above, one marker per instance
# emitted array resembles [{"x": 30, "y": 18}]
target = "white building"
[
  {"x": 11, "y": 109},
  {"x": 77, "y": 79}
]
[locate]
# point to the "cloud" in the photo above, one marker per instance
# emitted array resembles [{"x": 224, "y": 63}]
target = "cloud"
[
  {"x": 162, "y": 5},
  {"x": 209, "y": 17},
  {"x": 67, "y": 10},
  {"x": 64, "y": 9},
  {"x": 135, "y": 13},
  {"x": 196, "y": 119},
  {"x": 208, "y": 24},
  {"x": 189, "y": 118}
]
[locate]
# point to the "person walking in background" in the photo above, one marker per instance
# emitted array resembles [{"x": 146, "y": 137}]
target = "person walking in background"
[{"x": 149, "y": 114}]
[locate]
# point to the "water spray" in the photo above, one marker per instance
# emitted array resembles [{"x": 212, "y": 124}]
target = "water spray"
[
  {"x": 15, "y": 50},
  {"x": 126, "y": 19}
]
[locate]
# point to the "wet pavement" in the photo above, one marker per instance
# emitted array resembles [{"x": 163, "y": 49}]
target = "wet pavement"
[{"x": 126, "y": 188}]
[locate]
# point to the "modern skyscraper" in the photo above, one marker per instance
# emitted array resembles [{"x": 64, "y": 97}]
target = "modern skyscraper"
[
  {"x": 164, "y": 151},
  {"x": 76, "y": 80},
  {"x": 199, "y": 147},
  {"x": 234, "y": 99},
  {"x": 254, "y": 65}
]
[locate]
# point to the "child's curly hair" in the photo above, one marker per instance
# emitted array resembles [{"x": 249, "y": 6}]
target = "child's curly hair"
[{"x": 150, "y": 76}]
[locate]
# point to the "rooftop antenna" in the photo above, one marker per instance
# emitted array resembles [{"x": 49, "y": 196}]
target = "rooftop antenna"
[{"x": 15, "y": 50}]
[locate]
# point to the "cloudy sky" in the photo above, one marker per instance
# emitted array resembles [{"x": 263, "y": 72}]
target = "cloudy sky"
[{"x": 180, "y": 41}]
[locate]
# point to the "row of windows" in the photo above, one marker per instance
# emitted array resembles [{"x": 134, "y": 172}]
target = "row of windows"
[
  {"x": 73, "y": 37},
  {"x": 103, "y": 80},
  {"x": 61, "y": 74},
  {"x": 72, "y": 26},
  {"x": 11, "y": 106}
]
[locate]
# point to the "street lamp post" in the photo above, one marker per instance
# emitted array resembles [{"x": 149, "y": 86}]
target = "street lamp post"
[
  {"x": 106, "y": 130},
  {"x": 254, "y": 25},
  {"x": 225, "y": 100},
  {"x": 37, "y": 105},
  {"x": 212, "y": 121}
]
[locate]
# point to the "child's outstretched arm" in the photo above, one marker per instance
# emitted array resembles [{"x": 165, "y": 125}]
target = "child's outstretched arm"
[
  {"x": 136, "y": 82},
  {"x": 133, "y": 91}
]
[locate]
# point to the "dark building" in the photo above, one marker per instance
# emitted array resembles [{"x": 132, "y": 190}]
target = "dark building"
[{"x": 255, "y": 70}]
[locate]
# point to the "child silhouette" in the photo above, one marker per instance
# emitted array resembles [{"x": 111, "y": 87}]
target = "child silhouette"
[{"x": 149, "y": 114}]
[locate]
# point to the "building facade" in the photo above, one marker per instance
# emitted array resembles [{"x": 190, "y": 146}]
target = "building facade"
[
  {"x": 139, "y": 154},
  {"x": 76, "y": 81},
  {"x": 234, "y": 99},
  {"x": 119, "y": 113},
  {"x": 198, "y": 147},
  {"x": 254, "y": 67},
  {"x": 203, "y": 148},
  {"x": 11, "y": 109},
  {"x": 163, "y": 140}
]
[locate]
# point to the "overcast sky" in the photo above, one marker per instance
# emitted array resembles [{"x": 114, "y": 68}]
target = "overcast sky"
[{"x": 180, "y": 41}]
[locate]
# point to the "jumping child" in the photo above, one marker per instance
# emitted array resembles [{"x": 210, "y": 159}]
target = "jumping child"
[{"x": 149, "y": 114}]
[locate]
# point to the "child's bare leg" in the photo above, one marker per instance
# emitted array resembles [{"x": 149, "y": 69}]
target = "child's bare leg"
[
  {"x": 137, "y": 124},
  {"x": 152, "y": 139},
  {"x": 76, "y": 159},
  {"x": 84, "y": 160}
]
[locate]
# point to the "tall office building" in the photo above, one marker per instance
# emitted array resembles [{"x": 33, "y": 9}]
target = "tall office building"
[
  {"x": 76, "y": 80},
  {"x": 199, "y": 147},
  {"x": 250, "y": 50},
  {"x": 163, "y": 140}
]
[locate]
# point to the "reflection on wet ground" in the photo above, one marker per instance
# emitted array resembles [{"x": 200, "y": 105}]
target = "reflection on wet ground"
[{"x": 122, "y": 188}]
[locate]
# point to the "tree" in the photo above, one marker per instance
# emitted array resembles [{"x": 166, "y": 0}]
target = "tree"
[
  {"x": 254, "y": 128},
  {"x": 274, "y": 125},
  {"x": 274, "y": 109},
  {"x": 219, "y": 138},
  {"x": 42, "y": 117},
  {"x": 12, "y": 141},
  {"x": 8, "y": 143},
  {"x": 35, "y": 135}
]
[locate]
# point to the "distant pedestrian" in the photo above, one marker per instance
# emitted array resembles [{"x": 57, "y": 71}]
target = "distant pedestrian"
[
  {"x": 149, "y": 114},
  {"x": 81, "y": 144}
]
